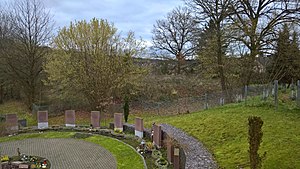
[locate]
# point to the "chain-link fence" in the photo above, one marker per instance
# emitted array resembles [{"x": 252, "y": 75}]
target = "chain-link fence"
[{"x": 214, "y": 99}]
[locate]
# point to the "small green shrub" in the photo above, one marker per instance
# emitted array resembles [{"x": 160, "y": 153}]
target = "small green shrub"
[
  {"x": 161, "y": 163},
  {"x": 81, "y": 135},
  {"x": 255, "y": 138},
  {"x": 126, "y": 109}
]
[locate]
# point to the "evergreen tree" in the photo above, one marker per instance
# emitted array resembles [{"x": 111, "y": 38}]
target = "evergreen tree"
[{"x": 286, "y": 63}]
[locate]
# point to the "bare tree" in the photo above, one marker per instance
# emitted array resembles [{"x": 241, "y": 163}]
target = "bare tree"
[
  {"x": 174, "y": 34},
  {"x": 31, "y": 31},
  {"x": 255, "y": 22},
  {"x": 214, "y": 14}
]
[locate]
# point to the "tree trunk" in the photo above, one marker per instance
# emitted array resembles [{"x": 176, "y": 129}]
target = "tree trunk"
[{"x": 220, "y": 61}]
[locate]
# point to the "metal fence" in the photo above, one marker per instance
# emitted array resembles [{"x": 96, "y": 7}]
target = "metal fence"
[{"x": 214, "y": 99}]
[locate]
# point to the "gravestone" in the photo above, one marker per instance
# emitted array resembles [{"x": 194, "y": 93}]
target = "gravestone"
[
  {"x": 118, "y": 122},
  {"x": 176, "y": 162},
  {"x": 95, "y": 119},
  {"x": 157, "y": 135},
  {"x": 22, "y": 122},
  {"x": 70, "y": 118},
  {"x": 139, "y": 127},
  {"x": 42, "y": 119},
  {"x": 276, "y": 94},
  {"x": 11, "y": 122},
  {"x": 298, "y": 93},
  {"x": 170, "y": 151}
]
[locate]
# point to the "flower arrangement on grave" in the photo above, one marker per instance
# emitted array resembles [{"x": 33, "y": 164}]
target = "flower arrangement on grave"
[
  {"x": 156, "y": 154},
  {"x": 141, "y": 148},
  {"x": 118, "y": 131},
  {"x": 161, "y": 163},
  {"x": 150, "y": 146},
  {"x": 4, "y": 158}
]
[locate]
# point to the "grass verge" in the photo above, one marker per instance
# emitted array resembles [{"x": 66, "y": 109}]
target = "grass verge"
[{"x": 126, "y": 157}]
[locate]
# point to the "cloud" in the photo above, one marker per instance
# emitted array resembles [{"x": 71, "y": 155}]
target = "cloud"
[{"x": 136, "y": 15}]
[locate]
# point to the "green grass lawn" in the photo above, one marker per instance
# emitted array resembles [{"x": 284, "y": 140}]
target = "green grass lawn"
[
  {"x": 21, "y": 111},
  {"x": 126, "y": 157},
  {"x": 224, "y": 131}
]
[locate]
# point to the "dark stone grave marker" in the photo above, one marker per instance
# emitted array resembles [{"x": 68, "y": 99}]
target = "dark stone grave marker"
[{"x": 22, "y": 122}]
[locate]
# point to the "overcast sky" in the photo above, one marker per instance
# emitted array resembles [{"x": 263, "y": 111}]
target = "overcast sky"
[{"x": 136, "y": 15}]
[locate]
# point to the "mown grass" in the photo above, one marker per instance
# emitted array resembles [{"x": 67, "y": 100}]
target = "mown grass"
[
  {"x": 126, "y": 157},
  {"x": 19, "y": 108},
  {"x": 224, "y": 131}
]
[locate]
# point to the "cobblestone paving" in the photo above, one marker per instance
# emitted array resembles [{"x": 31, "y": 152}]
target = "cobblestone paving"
[{"x": 63, "y": 153}]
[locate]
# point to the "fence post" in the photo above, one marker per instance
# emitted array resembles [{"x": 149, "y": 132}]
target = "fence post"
[
  {"x": 206, "y": 102},
  {"x": 221, "y": 101},
  {"x": 298, "y": 93},
  {"x": 246, "y": 94},
  {"x": 276, "y": 94}
]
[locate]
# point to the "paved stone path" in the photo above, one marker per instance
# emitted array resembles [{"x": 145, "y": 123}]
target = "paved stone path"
[
  {"x": 197, "y": 156},
  {"x": 63, "y": 153}
]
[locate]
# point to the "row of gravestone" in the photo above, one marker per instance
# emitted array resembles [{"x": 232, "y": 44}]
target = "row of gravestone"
[
  {"x": 11, "y": 120},
  {"x": 70, "y": 119},
  {"x": 42, "y": 118},
  {"x": 157, "y": 137}
]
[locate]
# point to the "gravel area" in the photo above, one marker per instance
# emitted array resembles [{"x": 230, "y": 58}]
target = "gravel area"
[
  {"x": 63, "y": 153},
  {"x": 197, "y": 156}
]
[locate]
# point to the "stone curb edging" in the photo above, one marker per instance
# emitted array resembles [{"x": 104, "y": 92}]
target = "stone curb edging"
[
  {"x": 145, "y": 165},
  {"x": 104, "y": 133},
  {"x": 197, "y": 156},
  {"x": 193, "y": 154}
]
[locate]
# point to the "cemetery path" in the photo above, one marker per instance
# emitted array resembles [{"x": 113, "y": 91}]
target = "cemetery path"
[{"x": 63, "y": 153}]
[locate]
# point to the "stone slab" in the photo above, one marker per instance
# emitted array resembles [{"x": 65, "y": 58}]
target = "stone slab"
[
  {"x": 12, "y": 122},
  {"x": 43, "y": 125},
  {"x": 42, "y": 116},
  {"x": 139, "y": 134},
  {"x": 170, "y": 152},
  {"x": 118, "y": 121},
  {"x": 157, "y": 135},
  {"x": 176, "y": 162},
  {"x": 139, "y": 124},
  {"x": 22, "y": 122},
  {"x": 95, "y": 118},
  {"x": 70, "y": 118}
]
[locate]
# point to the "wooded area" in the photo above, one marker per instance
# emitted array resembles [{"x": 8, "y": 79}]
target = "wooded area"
[{"x": 204, "y": 45}]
